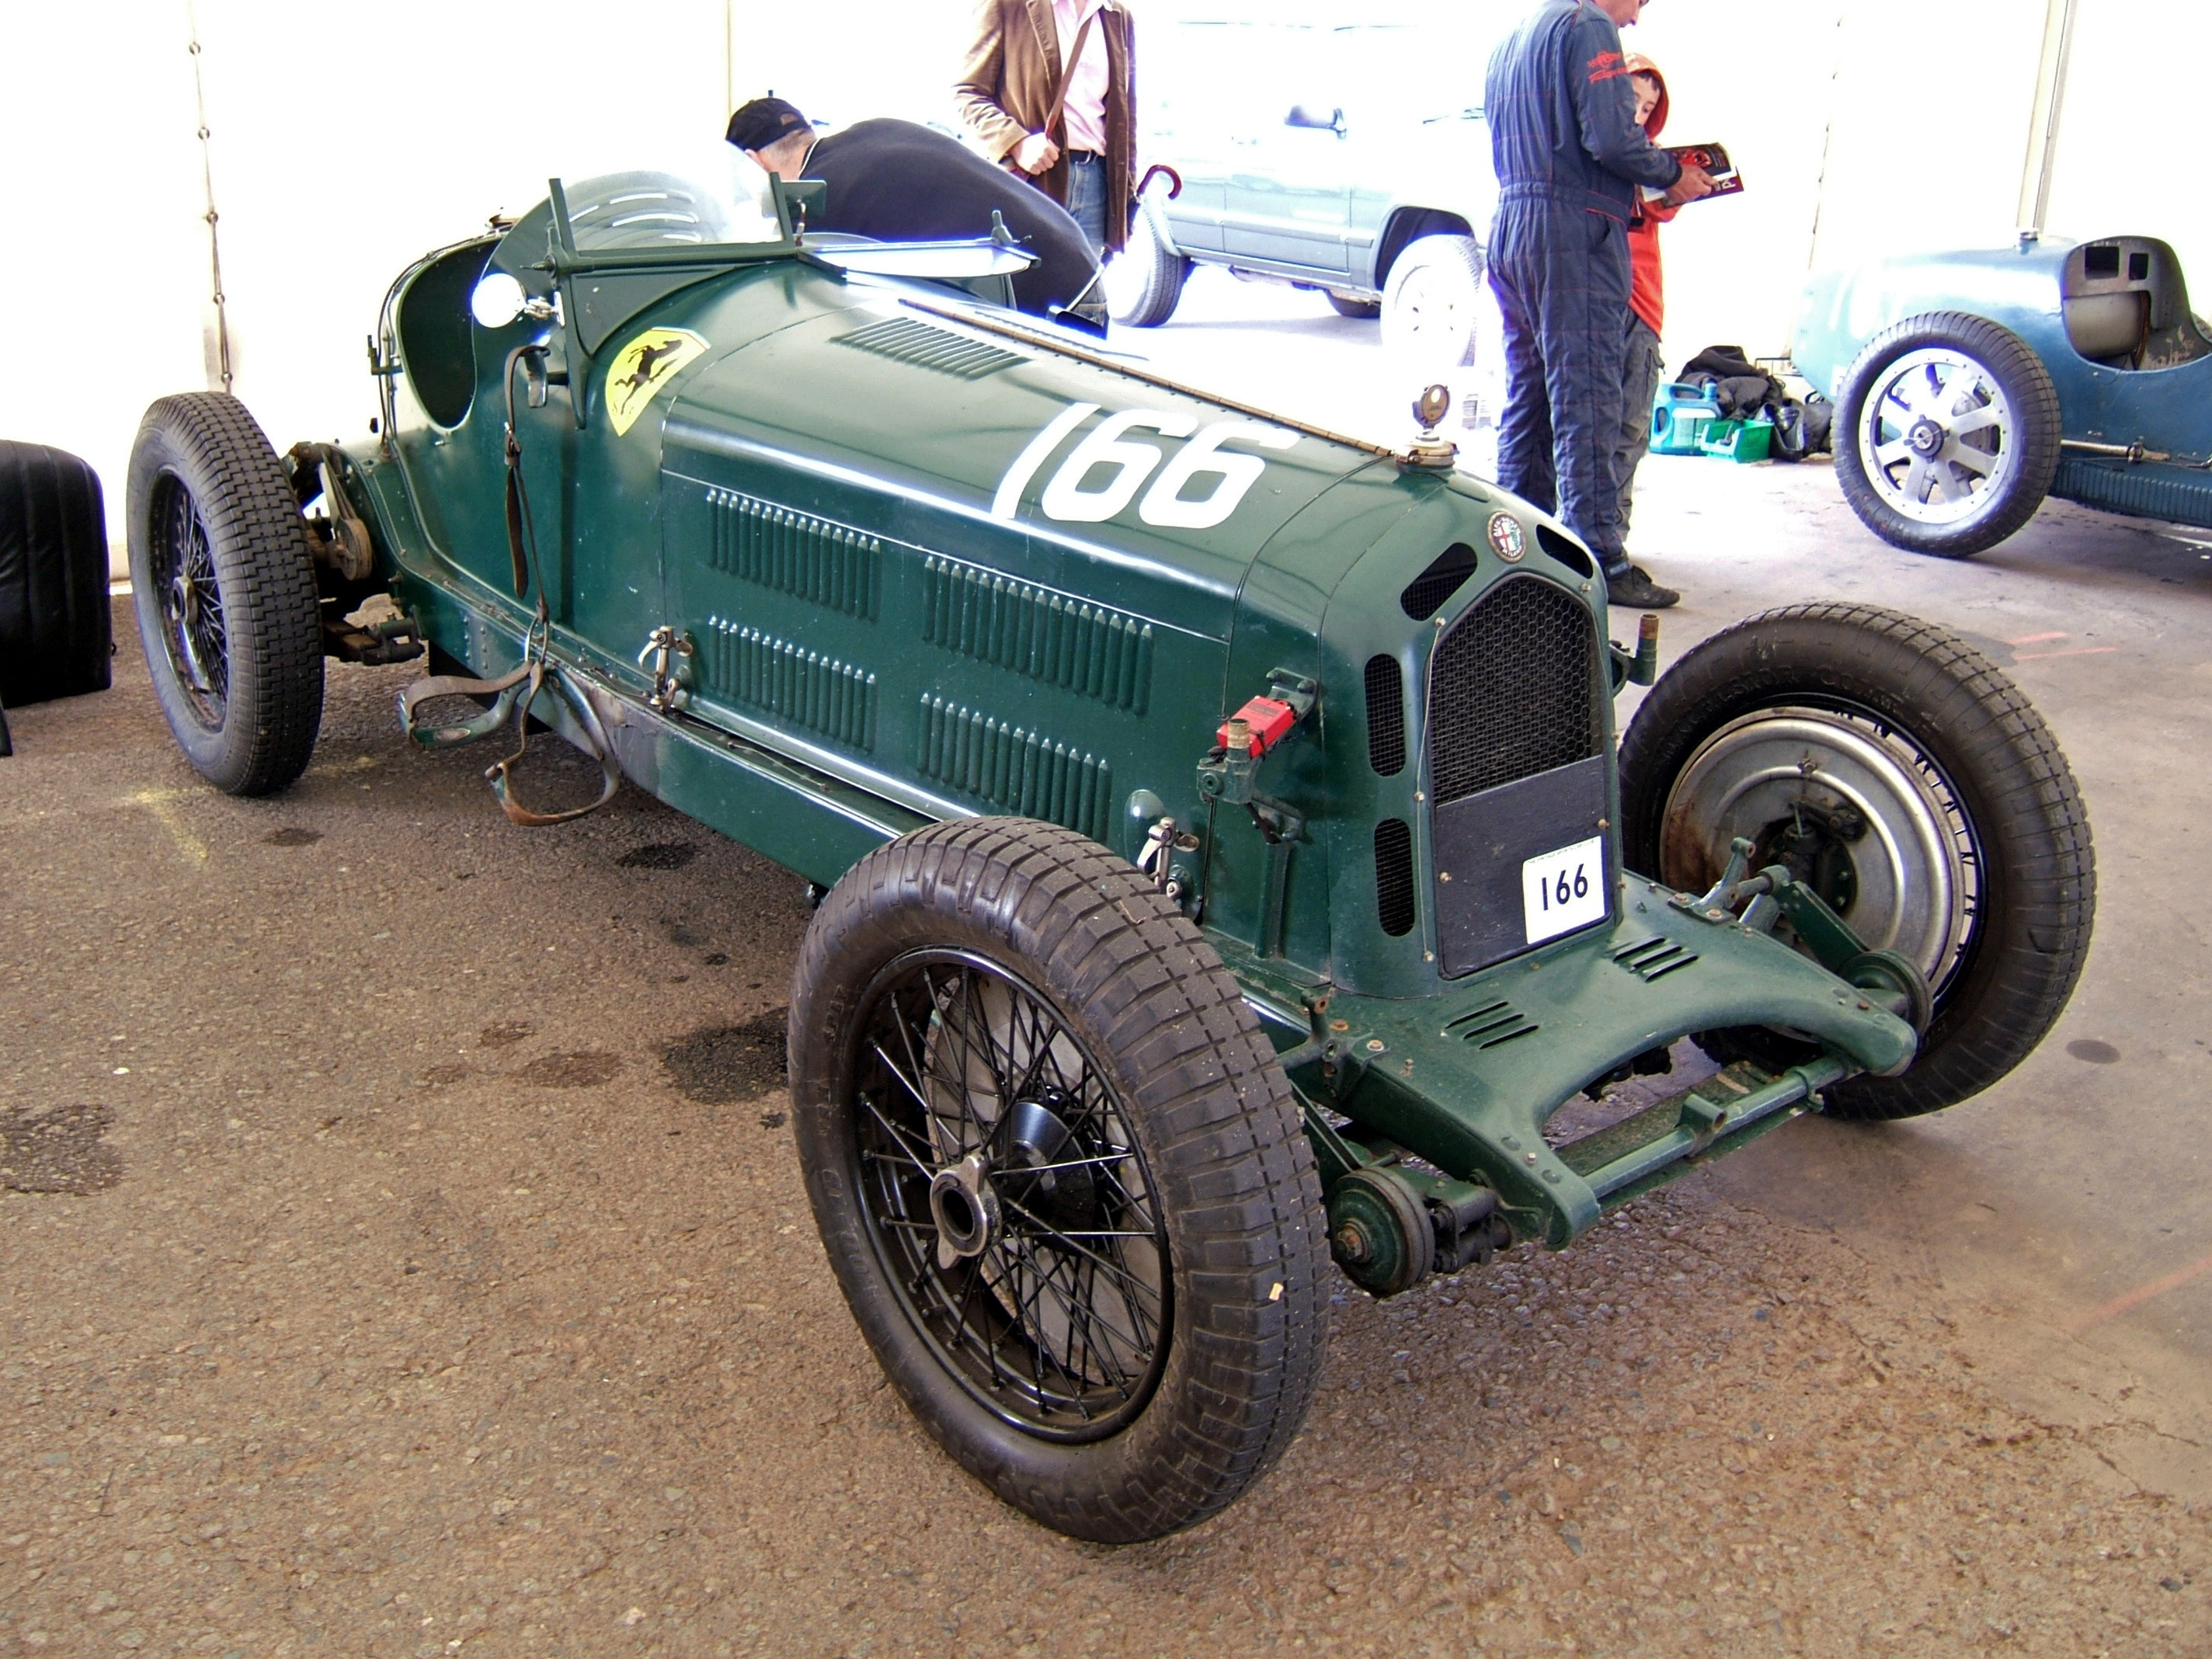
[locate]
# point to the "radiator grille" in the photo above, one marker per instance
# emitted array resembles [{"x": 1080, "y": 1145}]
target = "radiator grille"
[
  {"x": 1012, "y": 768},
  {"x": 1513, "y": 690},
  {"x": 1394, "y": 876},
  {"x": 1386, "y": 716},
  {"x": 1084, "y": 648}
]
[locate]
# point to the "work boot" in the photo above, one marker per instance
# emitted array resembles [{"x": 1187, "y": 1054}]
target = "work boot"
[{"x": 1632, "y": 589}]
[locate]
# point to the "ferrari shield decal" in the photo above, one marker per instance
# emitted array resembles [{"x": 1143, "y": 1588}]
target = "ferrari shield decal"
[{"x": 639, "y": 368}]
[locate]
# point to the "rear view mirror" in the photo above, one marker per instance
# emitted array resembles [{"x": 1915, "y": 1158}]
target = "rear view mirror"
[{"x": 1325, "y": 119}]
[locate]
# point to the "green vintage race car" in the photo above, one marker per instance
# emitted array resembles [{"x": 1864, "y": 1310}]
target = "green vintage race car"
[{"x": 1225, "y": 861}]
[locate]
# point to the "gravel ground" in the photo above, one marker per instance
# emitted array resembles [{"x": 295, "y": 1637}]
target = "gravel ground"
[{"x": 402, "y": 1253}]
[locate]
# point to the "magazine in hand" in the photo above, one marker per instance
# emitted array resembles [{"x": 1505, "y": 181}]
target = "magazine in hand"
[{"x": 1714, "y": 159}]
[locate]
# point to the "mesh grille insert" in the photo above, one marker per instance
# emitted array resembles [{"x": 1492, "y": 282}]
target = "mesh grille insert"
[
  {"x": 1386, "y": 716},
  {"x": 1425, "y": 594},
  {"x": 1394, "y": 876},
  {"x": 1513, "y": 690}
]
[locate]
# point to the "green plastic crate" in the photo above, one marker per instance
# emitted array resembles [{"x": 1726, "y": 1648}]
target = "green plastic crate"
[{"x": 1738, "y": 440}]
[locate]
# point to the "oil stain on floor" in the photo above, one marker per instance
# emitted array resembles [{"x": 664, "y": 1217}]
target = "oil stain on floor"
[
  {"x": 586, "y": 1070},
  {"x": 718, "y": 1065},
  {"x": 59, "y": 1151}
]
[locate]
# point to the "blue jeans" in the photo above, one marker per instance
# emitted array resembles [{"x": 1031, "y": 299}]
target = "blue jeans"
[{"x": 1086, "y": 197}]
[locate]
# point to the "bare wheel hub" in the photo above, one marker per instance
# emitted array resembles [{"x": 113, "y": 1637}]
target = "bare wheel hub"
[{"x": 1853, "y": 807}]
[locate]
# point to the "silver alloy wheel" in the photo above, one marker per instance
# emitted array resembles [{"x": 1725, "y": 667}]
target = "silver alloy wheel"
[
  {"x": 1935, "y": 436},
  {"x": 1432, "y": 303},
  {"x": 1914, "y": 878},
  {"x": 1435, "y": 317}
]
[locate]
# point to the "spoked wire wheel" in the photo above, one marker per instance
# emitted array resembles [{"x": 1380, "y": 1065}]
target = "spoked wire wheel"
[
  {"x": 190, "y": 595},
  {"x": 1008, "y": 1197},
  {"x": 1936, "y": 438},
  {"x": 223, "y": 581},
  {"x": 1061, "y": 1178}
]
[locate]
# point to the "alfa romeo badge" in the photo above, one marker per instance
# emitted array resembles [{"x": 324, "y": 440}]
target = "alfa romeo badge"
[{"x": 1506, "y": 537}]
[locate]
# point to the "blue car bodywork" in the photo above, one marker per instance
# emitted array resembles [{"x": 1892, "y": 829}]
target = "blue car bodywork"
[{"x": 2111, "y": 320}]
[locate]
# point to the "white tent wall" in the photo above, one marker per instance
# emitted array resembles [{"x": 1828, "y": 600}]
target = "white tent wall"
[{"x": 345, "y": 140}]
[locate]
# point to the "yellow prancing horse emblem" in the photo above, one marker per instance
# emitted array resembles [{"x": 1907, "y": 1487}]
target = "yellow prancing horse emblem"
[{"x": 639, "y": 367}]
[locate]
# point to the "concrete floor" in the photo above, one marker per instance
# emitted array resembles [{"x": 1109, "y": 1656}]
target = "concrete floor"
[{"x": 437, "y": 1278}]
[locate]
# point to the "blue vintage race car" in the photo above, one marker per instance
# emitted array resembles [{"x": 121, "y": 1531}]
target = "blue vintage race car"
[{"x": 1969, "y": 386}]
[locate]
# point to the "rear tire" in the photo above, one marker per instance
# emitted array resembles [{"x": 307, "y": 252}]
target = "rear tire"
[
  {"x": 55, "y": 639},
  {"x": 1145, "y": 283},
  {"x": 1346, "y": 305},
  {"x": 1972, "y": 854},
  {"x": 1432, "y": 302},
  {"x": 989, "y": 972},
  {"x": 224, "y": 587},
  {"x": 1947, "y": 439}
]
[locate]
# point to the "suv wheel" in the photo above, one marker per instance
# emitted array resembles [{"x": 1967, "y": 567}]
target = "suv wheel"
[
  {"x": 1144, "y": 282},
  {"x": 1432, "y": 304}
]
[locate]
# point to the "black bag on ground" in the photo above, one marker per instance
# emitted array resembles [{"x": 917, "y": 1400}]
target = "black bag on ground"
[{"x": 56, "y": 639}]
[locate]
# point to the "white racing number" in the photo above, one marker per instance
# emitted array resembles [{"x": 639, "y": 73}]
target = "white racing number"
[{"x": 1070, "y": 497}]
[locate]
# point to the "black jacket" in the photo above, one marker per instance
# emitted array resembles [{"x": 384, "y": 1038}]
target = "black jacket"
[{"x": 898, "y": 181}]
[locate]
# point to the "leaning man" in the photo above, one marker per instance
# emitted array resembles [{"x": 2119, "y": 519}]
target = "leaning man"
[
  {"x": 1047, "y": 87},
  {"x": 899, "y": 181},
  {"x": 1569, "y": 159}
]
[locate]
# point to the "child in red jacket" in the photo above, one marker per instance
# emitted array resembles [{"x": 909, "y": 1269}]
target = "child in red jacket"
[{"x": 1647, "y": 297}]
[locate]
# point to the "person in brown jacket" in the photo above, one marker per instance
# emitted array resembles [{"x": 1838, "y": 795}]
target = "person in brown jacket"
[{"x": 1070, "y": 132}]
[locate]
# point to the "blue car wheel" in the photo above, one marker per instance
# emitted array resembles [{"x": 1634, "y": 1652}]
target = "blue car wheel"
[{"x": 1947, "y": 438}]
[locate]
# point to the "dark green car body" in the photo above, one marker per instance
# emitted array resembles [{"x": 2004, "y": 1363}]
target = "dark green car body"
[{"x": 901, "y": 590}]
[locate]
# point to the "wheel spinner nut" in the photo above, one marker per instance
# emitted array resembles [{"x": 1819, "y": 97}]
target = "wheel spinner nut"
[{"x": 965, "y": 1209}]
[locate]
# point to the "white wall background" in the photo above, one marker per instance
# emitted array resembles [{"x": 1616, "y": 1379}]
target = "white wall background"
[{"x": 345, "y": 139}]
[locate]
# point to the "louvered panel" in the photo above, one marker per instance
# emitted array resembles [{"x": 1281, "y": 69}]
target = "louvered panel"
[
  {"x": 799, "y": 687},
  {"x": 1012, "y": 768},
  {"x": 794, "y": 553},
  {"x": 1088, "y": 649},
  {"x": 904, "y": 340}
]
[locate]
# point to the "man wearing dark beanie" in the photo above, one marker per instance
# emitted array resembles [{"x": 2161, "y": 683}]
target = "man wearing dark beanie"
[{"x": 898, "y": 181}]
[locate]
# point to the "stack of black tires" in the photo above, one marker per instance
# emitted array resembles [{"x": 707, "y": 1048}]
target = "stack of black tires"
[{"x": 55, "y": 637}]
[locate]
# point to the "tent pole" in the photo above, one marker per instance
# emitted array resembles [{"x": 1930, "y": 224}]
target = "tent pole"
[{"x": 2043, "y": 130}]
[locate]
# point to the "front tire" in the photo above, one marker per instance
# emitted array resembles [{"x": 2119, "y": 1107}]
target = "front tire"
[
  {"x": 1900, "y": 773},
  {"x": 1061, "y": 1179},
  {"x": 224, "y": 586},
  {"x": 1947, "y": 440},
  {"x": 1432, "y": 302},
  {"x": 1350, "y": 305}
]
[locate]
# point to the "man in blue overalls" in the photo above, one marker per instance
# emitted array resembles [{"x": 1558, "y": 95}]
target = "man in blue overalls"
[{"x": 1570, "y": 160}]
